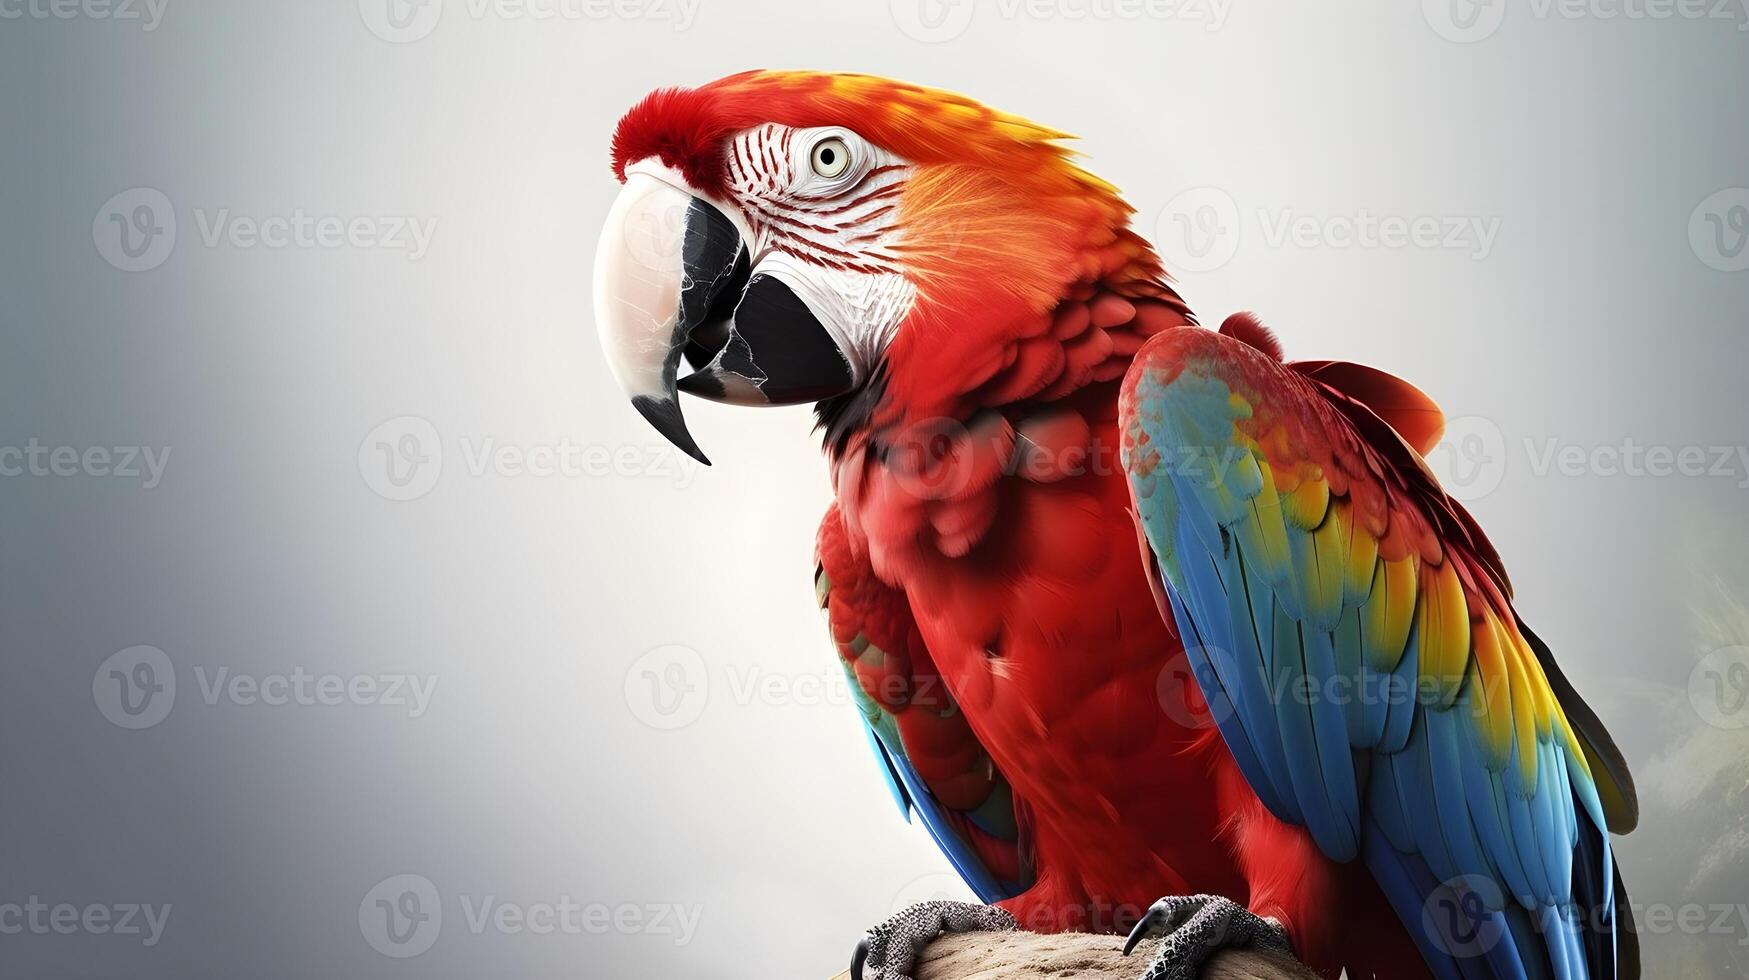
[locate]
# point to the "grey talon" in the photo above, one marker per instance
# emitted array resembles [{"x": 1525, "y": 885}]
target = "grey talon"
[
  {"x": 890, "y": 949},
  {"x": 1195, "y": 928},
  {"x": 858, "y": 958}
]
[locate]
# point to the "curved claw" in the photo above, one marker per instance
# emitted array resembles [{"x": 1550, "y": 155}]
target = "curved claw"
[
  {"x": 1139, "y": 933},
  {"x": 889, "y": 949},
  {"x": 858, "y": 958},
  {"x": 1161, "y": 916},
  {"x": 1197, "y": 927}
]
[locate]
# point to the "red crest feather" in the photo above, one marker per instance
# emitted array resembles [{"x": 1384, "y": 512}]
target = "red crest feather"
[{"x": 682, "y": 127}]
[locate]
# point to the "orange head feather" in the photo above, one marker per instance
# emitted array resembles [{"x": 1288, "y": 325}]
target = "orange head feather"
[
  {"x": 994, "y": 227},
  {"x": 997, "y": 200}
]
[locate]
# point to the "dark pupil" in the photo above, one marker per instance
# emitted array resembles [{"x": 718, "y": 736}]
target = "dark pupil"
[{"x": 827, "y": 156}]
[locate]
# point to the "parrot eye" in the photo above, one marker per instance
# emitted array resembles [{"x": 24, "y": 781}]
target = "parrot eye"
[{"x": 830, "y": 157}]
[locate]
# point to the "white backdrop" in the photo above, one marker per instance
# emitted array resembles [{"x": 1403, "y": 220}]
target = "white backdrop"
[{"x": 351, "y": 325}]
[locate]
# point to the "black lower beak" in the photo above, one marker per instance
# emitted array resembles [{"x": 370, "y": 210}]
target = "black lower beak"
[
  {"x": 713, "y": 267},
  {"x": 773, "y": 352}
]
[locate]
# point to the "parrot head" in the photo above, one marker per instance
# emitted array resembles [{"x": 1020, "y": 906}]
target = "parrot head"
[{"x": 841, "y": 239}]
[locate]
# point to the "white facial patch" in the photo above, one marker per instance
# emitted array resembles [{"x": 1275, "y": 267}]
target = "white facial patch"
[
  {"x": 823, "y": 207},
  {"x": 861, "y": 310}
]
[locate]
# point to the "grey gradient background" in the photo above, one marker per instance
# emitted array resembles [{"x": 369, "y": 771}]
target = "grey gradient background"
[{"x": 550, "y": 762}]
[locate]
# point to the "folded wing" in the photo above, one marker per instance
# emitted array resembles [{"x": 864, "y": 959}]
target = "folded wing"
[
  {"x": 1353, "y": 630},
  {"x": 933, "y": 763}
]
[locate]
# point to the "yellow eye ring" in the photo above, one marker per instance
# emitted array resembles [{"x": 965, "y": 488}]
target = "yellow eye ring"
[{"x": 830, "y": 157}]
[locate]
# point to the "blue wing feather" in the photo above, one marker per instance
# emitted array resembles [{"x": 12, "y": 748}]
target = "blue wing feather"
[
  {"x": 847, "y": 592},
  {"x": 889, "y": 773},
  {"x": 1255, "y": 578},
  {"x": 913, "y": 796}
]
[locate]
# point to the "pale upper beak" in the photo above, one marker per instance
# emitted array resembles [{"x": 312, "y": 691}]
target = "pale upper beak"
[{"x": 673, "y": 277}]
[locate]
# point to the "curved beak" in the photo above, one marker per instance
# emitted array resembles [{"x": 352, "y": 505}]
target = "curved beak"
[{"x": 673, "y": 278}]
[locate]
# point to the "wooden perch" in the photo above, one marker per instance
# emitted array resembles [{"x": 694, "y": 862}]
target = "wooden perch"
[{"x": 1032, "y": 956}]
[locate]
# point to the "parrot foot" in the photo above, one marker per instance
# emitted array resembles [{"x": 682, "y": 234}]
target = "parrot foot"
[
  {"x": 889, "y": 949},
  {"x": 1197, "y": 927}
]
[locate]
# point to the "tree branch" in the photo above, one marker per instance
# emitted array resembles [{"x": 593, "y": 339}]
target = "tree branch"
[{"x": 1033, "y": 956}]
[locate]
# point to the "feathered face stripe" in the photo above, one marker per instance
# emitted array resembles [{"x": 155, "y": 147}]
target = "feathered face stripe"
[{"x": 843, "y": 222}]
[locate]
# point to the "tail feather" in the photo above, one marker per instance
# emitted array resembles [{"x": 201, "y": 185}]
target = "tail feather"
[
  {"x": 1615, "y": 784},
  {"x": 1627, "y": 934},
  {"x": 1594, "y": 901}
]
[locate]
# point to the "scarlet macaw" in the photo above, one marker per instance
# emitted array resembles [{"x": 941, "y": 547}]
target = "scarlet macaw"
[{"x": 1012, "y": 396}]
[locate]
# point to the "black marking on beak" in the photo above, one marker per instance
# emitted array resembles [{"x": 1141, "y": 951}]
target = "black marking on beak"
[
  {"x": 750, "y": 337},
  {"x": 775, "y": 352},
  {"x": 715, "y": 266},
  {"x": 712, "y": 333},
  {"x": 664, "y": 415}
]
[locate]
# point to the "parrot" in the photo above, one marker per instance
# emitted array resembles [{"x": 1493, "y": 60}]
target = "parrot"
[{"x": 1154, "y": 630}]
